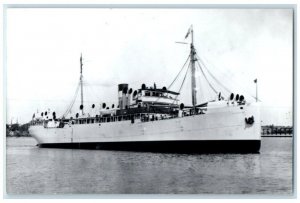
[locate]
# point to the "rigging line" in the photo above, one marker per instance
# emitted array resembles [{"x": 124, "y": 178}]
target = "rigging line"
[
  {"x": 182, "y": 82},
  {"x": 91, "y": 98},
  {"x": 70, "y": 104},
  {"x": 179, "y": 72},
  {"x": 88, "y": 94},
  {"x": 237, "y": 83},
  {"x": 72, "y": 101},
  {"x": 177, "y": 75},
  {"x": 212, "y": 74},
  {"x": 227, "y": 73},
  {"x": 91, "y": 89},
  {"x": 207, "y": 79},
  {"x": 227, "y": 89}
]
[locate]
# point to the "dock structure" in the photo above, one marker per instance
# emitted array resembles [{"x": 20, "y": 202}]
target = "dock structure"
[{"x": 277, "y": 131}]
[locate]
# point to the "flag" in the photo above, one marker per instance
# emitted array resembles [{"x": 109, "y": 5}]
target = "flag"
[
  {"x": 255, "y": 81},
  {"x": 187, "y": 34}
]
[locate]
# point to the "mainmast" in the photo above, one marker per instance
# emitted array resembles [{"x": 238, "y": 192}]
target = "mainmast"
[
  {"x": 193, "y": 59},
  {"x": 81, "y": 82}
]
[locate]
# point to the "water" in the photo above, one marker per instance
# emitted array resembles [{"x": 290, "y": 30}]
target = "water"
[{"x": 33, "y": 170}]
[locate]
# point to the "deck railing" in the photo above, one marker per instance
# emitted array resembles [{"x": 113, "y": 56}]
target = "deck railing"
[{"x": 142, "y": 117}]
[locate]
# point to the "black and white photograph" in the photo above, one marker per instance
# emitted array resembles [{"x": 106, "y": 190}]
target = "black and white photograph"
[{"x": 149, "y": 100}]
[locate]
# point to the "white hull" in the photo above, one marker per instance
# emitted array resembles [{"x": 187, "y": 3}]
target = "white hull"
[{"x": 225, "y": 123}]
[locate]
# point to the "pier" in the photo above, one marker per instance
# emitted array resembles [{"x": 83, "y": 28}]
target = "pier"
[{"x": 276, "y": 131}]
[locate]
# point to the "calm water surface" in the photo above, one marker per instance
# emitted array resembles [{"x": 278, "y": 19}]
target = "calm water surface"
[{"x": 33, "y": 170}]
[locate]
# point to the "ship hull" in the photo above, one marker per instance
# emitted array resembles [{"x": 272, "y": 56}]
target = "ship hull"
[{"x": 219, "y": 130}]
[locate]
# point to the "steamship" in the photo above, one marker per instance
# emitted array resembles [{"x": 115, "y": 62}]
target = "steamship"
[{"x": 153, "y": 119}]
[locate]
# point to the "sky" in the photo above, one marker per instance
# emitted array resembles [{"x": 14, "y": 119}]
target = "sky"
[{"x": 138, "y": 46}]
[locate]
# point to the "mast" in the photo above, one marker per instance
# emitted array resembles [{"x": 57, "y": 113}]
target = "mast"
[
  {"x": 255, "y": 81},
  {"x": 256, "y": 92},
  {"x": 81, "y": 83},
  {"x": 193, "y": 59}
]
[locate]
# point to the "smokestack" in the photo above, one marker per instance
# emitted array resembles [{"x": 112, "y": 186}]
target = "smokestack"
[
  {"x": 129, "y": 97},
  {"x": 122, "y": 91},
  {"x": 124, "y": 98}
]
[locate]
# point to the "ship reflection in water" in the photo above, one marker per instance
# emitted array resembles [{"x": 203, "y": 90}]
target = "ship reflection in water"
[{"x": 32, "y": 170}]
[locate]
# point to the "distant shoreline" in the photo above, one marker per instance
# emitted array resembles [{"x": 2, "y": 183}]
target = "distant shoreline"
[
  {"x": 16, "y": 130},
  {"x": 271, "y": 130}
]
